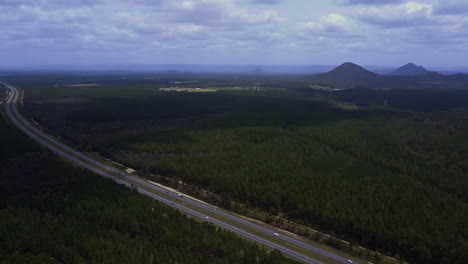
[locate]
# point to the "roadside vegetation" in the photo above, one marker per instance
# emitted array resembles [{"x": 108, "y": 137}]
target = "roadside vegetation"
[
  {"x": 391, "y": 175},
  {"x": 53, "y": 212}
]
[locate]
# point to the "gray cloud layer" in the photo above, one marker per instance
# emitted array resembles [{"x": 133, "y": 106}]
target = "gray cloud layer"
[
  {"x": 231, "y": 31},
  {"x": 372, "y": 2}
]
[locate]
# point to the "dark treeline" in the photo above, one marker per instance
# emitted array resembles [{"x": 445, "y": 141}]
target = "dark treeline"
[
  {"x": 392, "y": 180},
  {"x": 52, "y": 212},
  {"x": 427, "y": 100}
]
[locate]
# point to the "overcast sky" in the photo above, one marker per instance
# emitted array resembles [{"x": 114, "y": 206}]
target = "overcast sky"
[{"x": 370, "y": 32}]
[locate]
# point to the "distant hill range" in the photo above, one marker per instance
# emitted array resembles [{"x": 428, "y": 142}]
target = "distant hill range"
[
  {"x": 350, "y": 75},
  {"x": 410, "y": 69}
]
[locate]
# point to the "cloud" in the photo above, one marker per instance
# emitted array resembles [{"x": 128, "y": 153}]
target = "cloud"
[
  {"x": 267, "y": 2},
  {"x": 330, "y": 32},
  {"x": 414, "y": 25},
  {"x": 451, "y": 7},
  {"x": 165, "y": 24},
  {"x": 332, "y": 24},
  {"x": 371, "y": 2},
  {"x": 49, "y": 3},
  {"x": 409, "y": 14}
]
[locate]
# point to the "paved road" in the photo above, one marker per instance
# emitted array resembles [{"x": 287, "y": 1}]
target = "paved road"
[{"x": 130, "y": 181}]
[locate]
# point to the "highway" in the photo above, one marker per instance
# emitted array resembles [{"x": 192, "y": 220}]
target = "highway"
[{"x": 192, "y": 207}]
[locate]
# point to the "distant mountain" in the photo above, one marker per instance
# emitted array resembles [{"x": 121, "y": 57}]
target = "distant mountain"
[
  {"x": 410, "y": 69},
  {"x": 187, "y": 68},
  {"x": 347, "y": 72}
]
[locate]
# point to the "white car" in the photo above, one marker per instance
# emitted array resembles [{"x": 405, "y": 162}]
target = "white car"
[{"x": 276, "y": 234}]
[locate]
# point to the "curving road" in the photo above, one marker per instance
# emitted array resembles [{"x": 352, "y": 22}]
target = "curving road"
[{"x": 226, "y": 220}]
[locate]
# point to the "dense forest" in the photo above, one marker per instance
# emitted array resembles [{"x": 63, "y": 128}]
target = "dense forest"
[
  {"x": 393, "y": 179},
  {"x": 427, "y": 100},
  {"x": 53, "y": 212}
]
